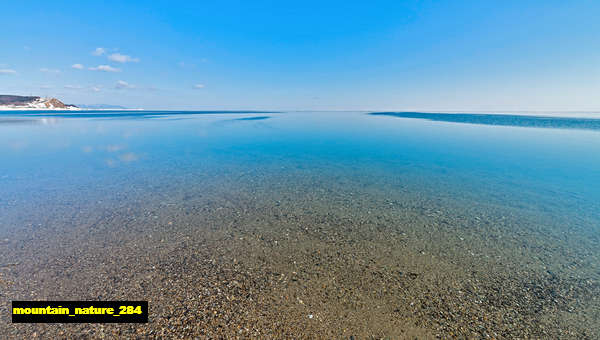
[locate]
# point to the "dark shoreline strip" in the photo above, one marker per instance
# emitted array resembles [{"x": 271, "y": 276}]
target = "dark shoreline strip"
[{"x": 500, "y": 119}]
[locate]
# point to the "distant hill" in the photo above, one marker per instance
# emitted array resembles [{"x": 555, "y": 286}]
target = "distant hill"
[
  {"x": 101, "y": 107},
  {"x": 11, "y": 102},
  {"x": 16, "y": 100}
]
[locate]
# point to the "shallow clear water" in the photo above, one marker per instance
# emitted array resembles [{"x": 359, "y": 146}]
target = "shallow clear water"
[
  {"x": 468, "y": 168},
  {"x": 560, "y": 165}
]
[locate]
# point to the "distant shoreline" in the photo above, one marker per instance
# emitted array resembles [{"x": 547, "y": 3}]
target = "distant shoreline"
[{"x": 62, "y": 109}]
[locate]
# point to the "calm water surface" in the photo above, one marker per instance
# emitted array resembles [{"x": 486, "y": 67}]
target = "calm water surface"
[
  {"x": 559, "y": 162},
  {"x": 542, "y": 171}
]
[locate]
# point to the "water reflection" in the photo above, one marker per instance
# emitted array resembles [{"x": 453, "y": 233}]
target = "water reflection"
[
  {"x": 122, "y": 114},
  {"x": 129, "y": 157},
  {"x": 27, "y": 121},
  {"x": 224, "y": 122},
  {"x": 114, "y": 148},
  {"x": 253, "y": 118}
]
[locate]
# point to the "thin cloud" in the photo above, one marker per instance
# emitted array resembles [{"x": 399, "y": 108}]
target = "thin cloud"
[
  {"x": 45, "y": 87},
  {"x": 122, "y": 58},
  {"x": 73, "y": 87},
  {"x": 121, "y": 84},
  {"x": 99, "y": 51},
  {"x": 77, "y": 66},
  {"x": 105, "y": 68},
  {"x": 96, "y": 88},
  {"x": 49, "y": 70},
  {"x": 184, "y": 64},
  {"x": 7, "y": 71},
  {"x": 199, "y": 86}
]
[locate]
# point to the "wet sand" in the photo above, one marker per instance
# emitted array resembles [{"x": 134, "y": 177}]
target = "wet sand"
[{"x": 302, "y": 253}]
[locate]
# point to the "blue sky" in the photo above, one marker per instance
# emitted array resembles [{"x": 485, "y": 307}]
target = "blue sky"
[{"x": 305, "y": 55}]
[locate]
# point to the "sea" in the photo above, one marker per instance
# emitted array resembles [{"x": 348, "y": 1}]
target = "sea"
[{"x": 307, "y": 224}]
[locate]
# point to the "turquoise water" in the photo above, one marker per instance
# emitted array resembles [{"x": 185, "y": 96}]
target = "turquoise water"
[
  {"x": 560, "y": 164},
  {"x": 542, "y": 175}
]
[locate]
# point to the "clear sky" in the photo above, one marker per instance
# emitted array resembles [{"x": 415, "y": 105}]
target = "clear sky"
[{"x": 305, "y": 55}]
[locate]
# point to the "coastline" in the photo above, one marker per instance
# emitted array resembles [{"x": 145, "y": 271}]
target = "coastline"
[{"x": 64, "y": 109}]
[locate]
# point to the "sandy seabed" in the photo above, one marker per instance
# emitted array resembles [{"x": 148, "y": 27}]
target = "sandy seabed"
[{"x": 302, "y": 253}]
